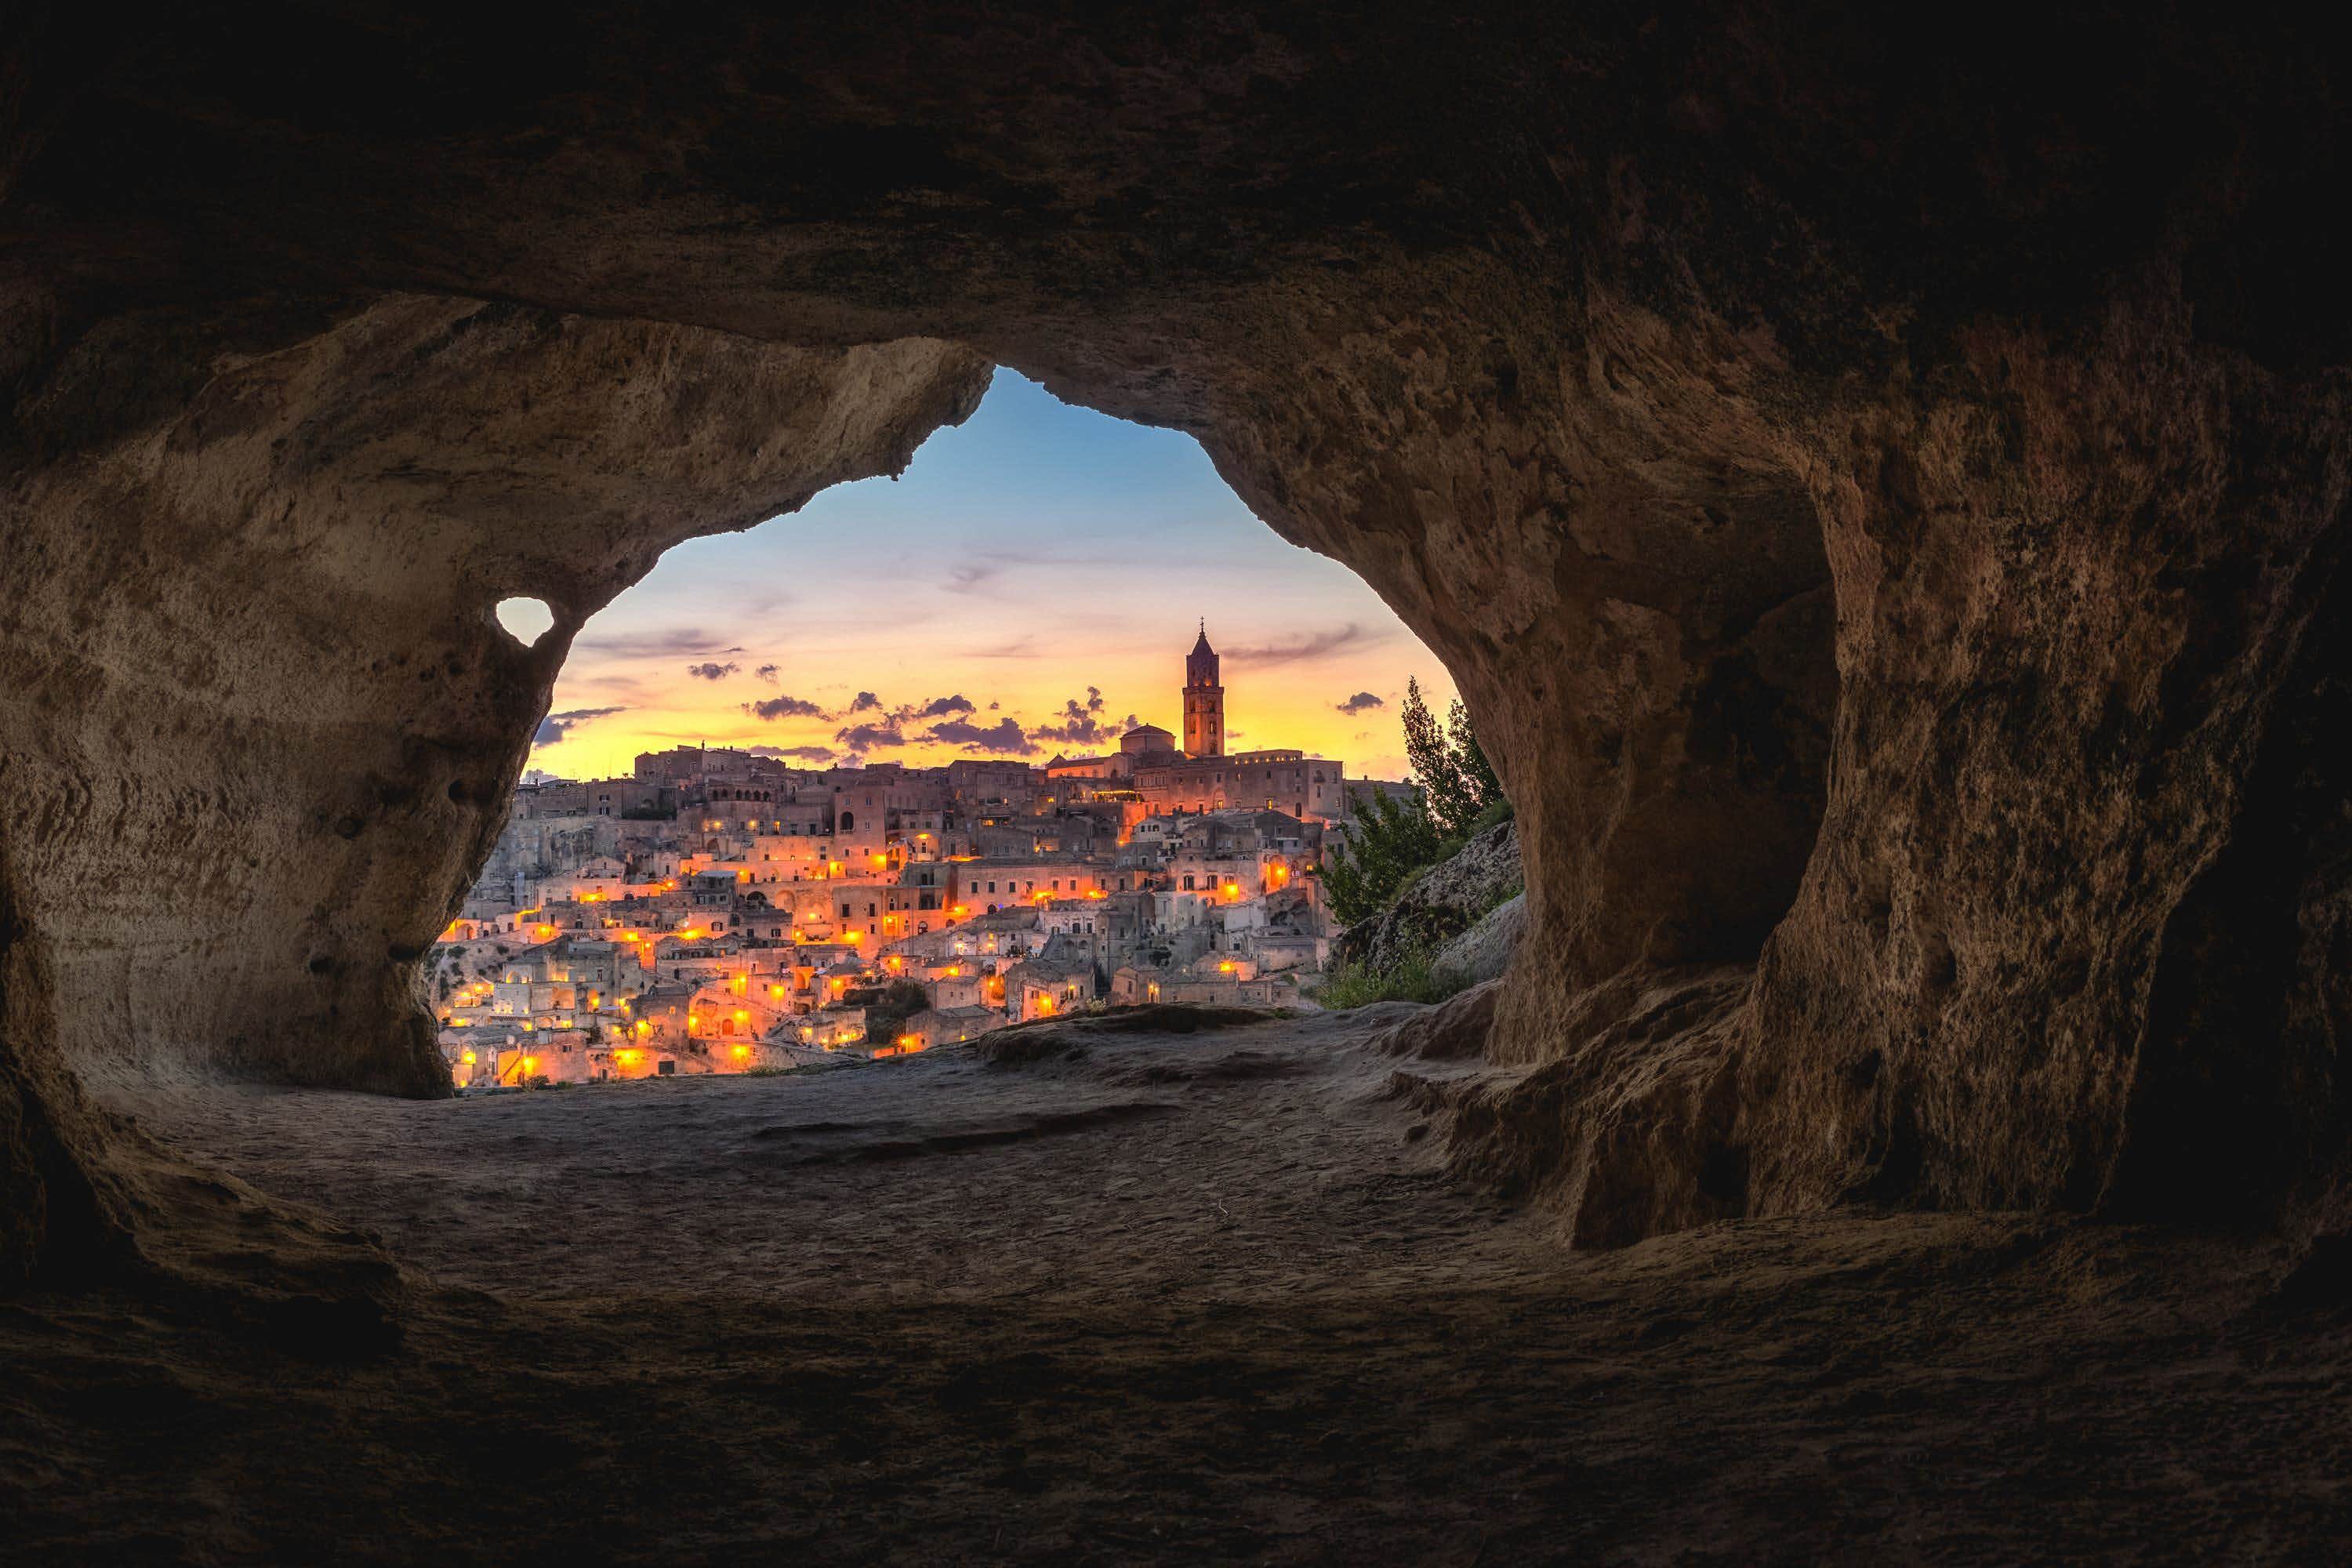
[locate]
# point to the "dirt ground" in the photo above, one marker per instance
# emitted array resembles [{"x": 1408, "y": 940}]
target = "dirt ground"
[{"x": 1179, "y": 1299}]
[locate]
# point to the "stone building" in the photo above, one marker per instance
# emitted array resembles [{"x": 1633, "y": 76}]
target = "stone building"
[{"x": 1204, "y": 700}]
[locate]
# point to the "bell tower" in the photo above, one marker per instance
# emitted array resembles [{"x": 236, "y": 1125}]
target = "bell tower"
[{"x": 1204, "y": 702}]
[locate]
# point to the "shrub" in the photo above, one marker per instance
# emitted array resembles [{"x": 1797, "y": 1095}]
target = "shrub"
[
  {"x": 1388, "y": 840},
  {"x": 1414, "y": 979}
]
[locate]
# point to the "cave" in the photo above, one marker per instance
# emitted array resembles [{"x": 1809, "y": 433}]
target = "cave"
[{"x": 1879, "y": 496}]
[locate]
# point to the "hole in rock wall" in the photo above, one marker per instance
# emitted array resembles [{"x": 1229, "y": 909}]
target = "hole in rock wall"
[
  {"x": 525, "y": 620},
  {"x": 1050, "y": 722}
]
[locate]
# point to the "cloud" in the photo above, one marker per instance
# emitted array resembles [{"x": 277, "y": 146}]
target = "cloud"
[
  {"x": 1081, "y": 722},
  {"x": 968, "y": 579},
  {"x": 1019, "y": 647},
  {"x": 555, "y": 726},
  {"x": 766, "y": 672},
  {"x": 1315, "y": 645},
  {"x": 940, "y": 707},
  {"x": 866, "y": 701},
  {"x": 1003, "y": 738},
  {"x": 656, "y": 644},
  {"x": 1362, "y": 702},
  {"x": 866, "y": 737},
  {"x": 775, "y": 708},
  {"x": 817, "y": 755},
  {"x": 712, "y": 671}
]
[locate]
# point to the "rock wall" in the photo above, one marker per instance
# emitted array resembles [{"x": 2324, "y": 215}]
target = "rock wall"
[
  {"x": 263, "y": 725},
  {"x": 1881, "y": 504}
]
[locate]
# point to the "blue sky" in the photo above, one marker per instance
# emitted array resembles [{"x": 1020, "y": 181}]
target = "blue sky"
[{"x": 1033, "y": 555}]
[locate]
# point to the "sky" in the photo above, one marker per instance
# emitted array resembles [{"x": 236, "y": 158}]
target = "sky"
[{"x": 1030, "y": 584}]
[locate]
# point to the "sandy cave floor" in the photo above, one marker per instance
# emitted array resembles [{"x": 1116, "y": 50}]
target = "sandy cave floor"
[{"x": 1170, "y": 1299}]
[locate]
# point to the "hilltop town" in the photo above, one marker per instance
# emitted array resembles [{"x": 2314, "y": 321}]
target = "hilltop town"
[{"x": 720, "y": 913}]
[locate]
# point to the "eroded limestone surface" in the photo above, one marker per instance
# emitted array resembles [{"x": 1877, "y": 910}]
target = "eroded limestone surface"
[
  {"x": 1881, "y": 503},
  {"x": 1141, "y": 1297}
]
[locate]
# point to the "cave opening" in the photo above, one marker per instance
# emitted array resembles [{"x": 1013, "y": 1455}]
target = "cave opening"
[
  {"x": 525, "y": 620},
  {"x": 941, "y": 730},
  {"x": 1883, "y": 503}
]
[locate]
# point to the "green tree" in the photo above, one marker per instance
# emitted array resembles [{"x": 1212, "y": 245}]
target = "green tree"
[
  {"x": 1470, "y": 759},
  {"x": 1452, "y": 800},
  {"x": 900, "y": 1001},
  {"x": 1388, "y": 839}
]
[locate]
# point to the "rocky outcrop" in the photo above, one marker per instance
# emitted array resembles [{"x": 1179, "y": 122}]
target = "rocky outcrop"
[
  {"x": 1486, "y": 949},
  {"x": 1883, "y": 506},
  {"x": 1439, "y": 905}
]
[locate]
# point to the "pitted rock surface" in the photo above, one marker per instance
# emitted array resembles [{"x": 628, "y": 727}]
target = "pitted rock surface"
[{"x": 1898, "y": 571}]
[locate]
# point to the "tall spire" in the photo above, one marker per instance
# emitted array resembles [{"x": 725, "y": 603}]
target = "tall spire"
[{"x": 1204, "y": 700}]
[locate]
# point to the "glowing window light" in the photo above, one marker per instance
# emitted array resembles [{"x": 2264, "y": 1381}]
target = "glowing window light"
[
  {"x": 467, "y": 1059},
  {"x": 910, "y": 1042},
  {"x": 1226, "y": 967}
]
